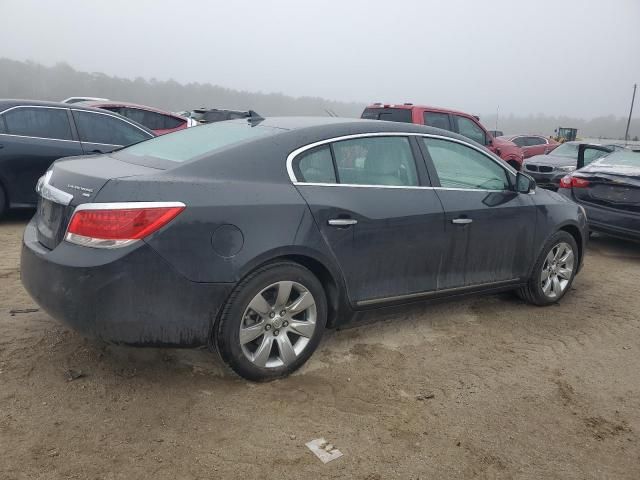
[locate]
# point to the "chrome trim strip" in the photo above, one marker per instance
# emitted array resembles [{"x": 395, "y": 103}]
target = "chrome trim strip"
[
  {"x": 39, "y": 138},
  {"x": 431, "y": 293},
  {"x": 126, "y": 205},
  {"x": 355, "y": 185},
  {"x": 300, "y": 150},
  {"x": 51, "y": 193},
  {"x": 342, "y": 222}
]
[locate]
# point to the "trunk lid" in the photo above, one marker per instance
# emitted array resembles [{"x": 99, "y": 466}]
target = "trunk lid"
[
  {"x": 71, "y": 182},
  {"x": 610, "y": 190}
]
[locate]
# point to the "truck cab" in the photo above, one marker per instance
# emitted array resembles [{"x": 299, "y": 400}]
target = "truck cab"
[{"x": 454, "y": 121}]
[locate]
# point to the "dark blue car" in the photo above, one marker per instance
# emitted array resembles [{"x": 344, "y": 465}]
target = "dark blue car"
[{"x": 255, "y": 235}]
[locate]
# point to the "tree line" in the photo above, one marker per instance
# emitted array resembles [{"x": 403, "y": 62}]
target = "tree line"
[{"x": 35, "y": 81}]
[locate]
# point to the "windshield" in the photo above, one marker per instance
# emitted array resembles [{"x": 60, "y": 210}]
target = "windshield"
[
  {"x": 190, "y": 143},
  {"x": 567, "y": 150},
  {"x": 621, "y": 158}
]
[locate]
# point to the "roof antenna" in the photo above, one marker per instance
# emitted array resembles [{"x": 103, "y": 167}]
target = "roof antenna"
[{"x": 254, "y": 118}]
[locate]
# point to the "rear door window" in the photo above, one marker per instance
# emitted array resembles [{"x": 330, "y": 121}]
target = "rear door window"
[
  {"x": 389, "y": 114},
  {"x": 315, "y": 166},
  {"x": 38, "y": 122},
  {"x": 384, "y": 161},
  {"x": 460, "y": 166},
  {"x": 107, "y": 129},
  {"x": 437, "y": 120},
  {"x": 520, "y": 141},
  {"x": 470, "y": 129},
  {"x": 151, "y": 120}
]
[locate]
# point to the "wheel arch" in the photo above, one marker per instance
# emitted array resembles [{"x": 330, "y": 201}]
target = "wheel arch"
[
  {"x": 339, "y": 309},
  {"x": 574, "y": 231}
]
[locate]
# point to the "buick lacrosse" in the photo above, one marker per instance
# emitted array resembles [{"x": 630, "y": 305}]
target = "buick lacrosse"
[{"x": 255, "y": 235}]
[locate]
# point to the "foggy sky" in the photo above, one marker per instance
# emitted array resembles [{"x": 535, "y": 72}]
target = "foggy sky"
[{"x": 577, "y": 58}]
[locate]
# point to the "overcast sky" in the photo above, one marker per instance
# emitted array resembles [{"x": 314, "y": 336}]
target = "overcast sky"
[{"x": 578, "y": 58}]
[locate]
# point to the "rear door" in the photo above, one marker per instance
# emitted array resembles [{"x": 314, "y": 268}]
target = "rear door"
[
  {"x": 438, "y": 120},
  {"x": 372, "y": 204},
  {"x": 490, "y": 227},
  {"x": 31, "y": 139},
  {"x": 534, "y": 145},
  {"x": 102, "y": 132}
]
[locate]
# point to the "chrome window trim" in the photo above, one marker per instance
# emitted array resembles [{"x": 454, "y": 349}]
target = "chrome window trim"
[
  {"x": 40, "y": 138},
  {"x": 291, "y": 157}
]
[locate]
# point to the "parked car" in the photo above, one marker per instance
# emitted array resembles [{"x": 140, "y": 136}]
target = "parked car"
[
  {"x": 451, "y": 120},
  {"x": 255, "y": 236},
  {"x": 33, "y": 134},
  {"x": 547, "y": 170},
  {"x": 211, "y": 115},
  {"x": 84, "y": 99},
  {"x": 609, "y": 190},
  {"x": 533, "y": 144},
  {"x": 158, "y": 121}
]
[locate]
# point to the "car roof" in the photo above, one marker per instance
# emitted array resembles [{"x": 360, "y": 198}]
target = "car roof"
[
  {"x": 10, "y": 103},
  {"x": 411, "y": 106},
  {"x": 318, "y": 128},
  {"x": 116, "y": 103}
]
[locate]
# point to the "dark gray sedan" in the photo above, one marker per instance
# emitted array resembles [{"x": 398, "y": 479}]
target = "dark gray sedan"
[{"x": 254, "y": 236}]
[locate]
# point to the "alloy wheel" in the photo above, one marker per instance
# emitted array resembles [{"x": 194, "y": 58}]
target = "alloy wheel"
[
  {"x": 557, "y": 270},
  {"x": 277, "y": 324}
]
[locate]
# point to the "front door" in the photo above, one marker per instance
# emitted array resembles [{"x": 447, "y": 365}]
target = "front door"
[
  {"x": 369, "y": 201},
  {"x": 489, "y": 224}
]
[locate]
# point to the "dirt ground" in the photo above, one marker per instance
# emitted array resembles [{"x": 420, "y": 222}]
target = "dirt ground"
[{"x": 481, "y": 388}]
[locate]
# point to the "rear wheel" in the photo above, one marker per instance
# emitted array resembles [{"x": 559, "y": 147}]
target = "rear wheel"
[
  {"x": 272, "y": 322},
  {"x": 553, "y": 272}
]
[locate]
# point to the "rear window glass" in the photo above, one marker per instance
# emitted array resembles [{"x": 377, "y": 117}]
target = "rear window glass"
[
  {"x": 185, "y": 145},
  {"x": 389, "y": 114},
  {"x": 627, "y": 159}
]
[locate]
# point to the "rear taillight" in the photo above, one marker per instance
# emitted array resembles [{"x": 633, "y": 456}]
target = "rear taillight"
[
  {"x": 569, "y": 181},
  {"x": 113, "y": 225}
]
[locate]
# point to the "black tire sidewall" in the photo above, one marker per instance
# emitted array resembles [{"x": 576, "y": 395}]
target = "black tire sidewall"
[
  {"x": 534, "y": 284},
  {"x": 228, "y": 331}
]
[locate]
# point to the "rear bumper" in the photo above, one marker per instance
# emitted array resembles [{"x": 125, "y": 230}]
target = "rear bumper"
[
  {"x": 614, "y": 222},
  {"x": 129, "y": 296}
]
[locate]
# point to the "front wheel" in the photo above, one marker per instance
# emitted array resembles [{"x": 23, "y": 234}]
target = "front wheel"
[
  {"x": 272, "y": 322},
  {"x": 553, "y": 272}
]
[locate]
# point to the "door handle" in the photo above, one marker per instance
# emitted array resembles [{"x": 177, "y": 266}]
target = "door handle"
[
  {"x": 97, "y": 151},
  {"x": 461, "y": 221},
  {"x": 342, "y": 222}
]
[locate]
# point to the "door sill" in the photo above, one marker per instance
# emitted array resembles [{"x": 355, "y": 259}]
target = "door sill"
[{"x": 437, "y": 293}]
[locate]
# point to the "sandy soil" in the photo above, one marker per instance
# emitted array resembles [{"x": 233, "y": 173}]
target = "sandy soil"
[{"x": 482, "y": 388}]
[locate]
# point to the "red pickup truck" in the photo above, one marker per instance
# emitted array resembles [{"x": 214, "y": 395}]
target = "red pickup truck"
[{"x": 451, "y": 120}]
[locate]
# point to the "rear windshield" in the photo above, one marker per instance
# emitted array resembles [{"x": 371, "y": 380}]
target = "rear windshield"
[
  {"x": 193, "y": 142},
  {"x": 390, "y": 114},
  {"x": 621, "y": 158}
]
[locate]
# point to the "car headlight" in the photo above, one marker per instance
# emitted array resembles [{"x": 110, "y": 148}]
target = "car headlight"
[{"x": 566, "y": 169}]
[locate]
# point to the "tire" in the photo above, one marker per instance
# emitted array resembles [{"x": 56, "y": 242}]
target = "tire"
[
  {"x": 547, "y": 292},
  {"x": 280, "y": 330}
]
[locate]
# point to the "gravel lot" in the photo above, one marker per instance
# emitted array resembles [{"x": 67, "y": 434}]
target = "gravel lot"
[{"x": 482, "y": 388}]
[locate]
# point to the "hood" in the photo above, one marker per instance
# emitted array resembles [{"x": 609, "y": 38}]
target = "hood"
[
  {"x": 501, "y": 142},
  {"x": 553, "y": 160}
]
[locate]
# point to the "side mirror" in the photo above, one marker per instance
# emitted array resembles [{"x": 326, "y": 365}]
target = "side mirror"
[
  {"x": 488, "y": 141},
  {"x": 524, "y": 183}
]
